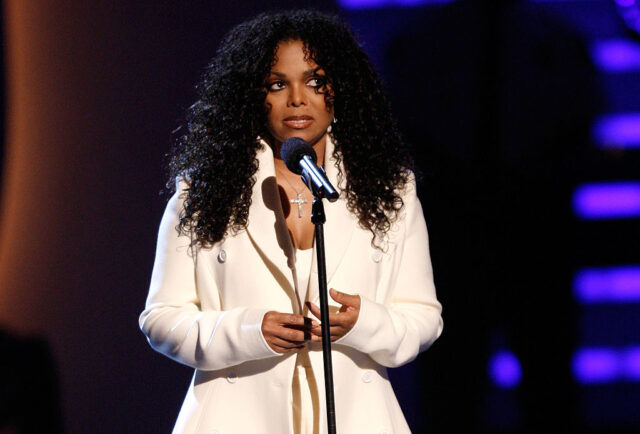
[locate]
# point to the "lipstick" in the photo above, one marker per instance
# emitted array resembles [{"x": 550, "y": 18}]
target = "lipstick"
[{"x": 298, "y": 122}]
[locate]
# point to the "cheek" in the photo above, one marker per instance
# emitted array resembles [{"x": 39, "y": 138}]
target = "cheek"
[
  {"x": 274, "y": 102},
  {"x": 327, "y": 102},
  {"x": 327, "y": 110}
]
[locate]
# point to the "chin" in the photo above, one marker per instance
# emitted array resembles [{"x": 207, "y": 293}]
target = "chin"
[
  {"x": 307, "y": 136},
  {"x": 314, "y": 139}
]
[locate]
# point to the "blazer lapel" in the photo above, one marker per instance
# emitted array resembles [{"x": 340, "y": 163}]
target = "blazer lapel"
[{"x": 266, "y": 218}]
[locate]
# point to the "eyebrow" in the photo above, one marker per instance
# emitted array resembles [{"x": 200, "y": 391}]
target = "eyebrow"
[{"x": 305, "y": 73}]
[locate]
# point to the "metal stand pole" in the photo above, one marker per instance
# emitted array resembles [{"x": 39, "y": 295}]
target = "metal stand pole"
[{"x": 318, "y": 218}]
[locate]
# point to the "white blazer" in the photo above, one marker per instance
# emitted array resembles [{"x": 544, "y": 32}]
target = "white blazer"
[{"x": 205, "y": 311}]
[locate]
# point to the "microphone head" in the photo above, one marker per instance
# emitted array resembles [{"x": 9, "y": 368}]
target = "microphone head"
[{"x": 292, "y": 151}]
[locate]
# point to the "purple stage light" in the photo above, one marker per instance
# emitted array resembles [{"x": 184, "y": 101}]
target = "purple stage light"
[
  {"x": 607, "y": 200},
  {"x": 363, "y": 4},
  {"x": 592, "y": 366},
  {"x": 617, "y": 131},
  {"x": 631, "y": 364},
  {"x": 562, "y": 1},
  {"x": 608, "y": 285},
  {"x": 629, "y": 10},
  {"x": 373, "y": 4},
  {"x": 596, "y": 365},
  {"x": 616, "y": 55},
  {"x": 505, "y": 370}
]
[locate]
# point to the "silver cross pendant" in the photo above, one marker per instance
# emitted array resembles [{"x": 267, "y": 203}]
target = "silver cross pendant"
[{"x": 299, "y": 201}]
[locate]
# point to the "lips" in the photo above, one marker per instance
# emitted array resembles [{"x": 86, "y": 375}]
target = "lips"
[{"x": 298, "y": 122}]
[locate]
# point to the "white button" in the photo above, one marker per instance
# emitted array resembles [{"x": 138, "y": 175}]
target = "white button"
[
  {"x": 376, "y": 255},
  {"x": 232, "y": 377},
  {"x": 214, "y": 431},
  {"x": 383, "y": 431},
  {"x": 367, "y": 376},
  {"x": 222, "y": 256}
]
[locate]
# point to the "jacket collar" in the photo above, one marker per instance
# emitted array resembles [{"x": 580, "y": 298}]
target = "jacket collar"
[{"x": 267, "y": 227}]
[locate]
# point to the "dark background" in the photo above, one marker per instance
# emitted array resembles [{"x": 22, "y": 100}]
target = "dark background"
[{"x": 497, "y": 99}]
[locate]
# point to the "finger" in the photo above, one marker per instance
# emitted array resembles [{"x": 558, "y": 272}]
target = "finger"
[
  {"x": 291, "y": 334},
  {"x": 315, "y": 333},
  {"x": 291, "y": 319},
  {"x": 334, "y": 318},
  {"x": 338, "y": 331},
  {"x": 314, "y": 309},
  {"x": 345, "y": 299},
  {"x": 335, "y": 332},
  {"x": 338, "y": 327},
  {"x": 344, "y": 308},
  {"x": 283, "y": 350},
  {"x": 304, "y": 331},
  {"x": 283, "y": 343},
  {"x": 316, "y": 330},
  {"x": 309, "y": 323},
  {"x": 282, "y": 346},
  {"x": 315, "y": 338}
]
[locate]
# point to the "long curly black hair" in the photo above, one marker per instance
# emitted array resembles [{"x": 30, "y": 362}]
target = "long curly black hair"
[{"x": 215, "y": 149}]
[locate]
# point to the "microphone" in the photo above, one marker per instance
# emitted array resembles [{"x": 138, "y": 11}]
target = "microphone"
[{"x": 300, "y": 158}]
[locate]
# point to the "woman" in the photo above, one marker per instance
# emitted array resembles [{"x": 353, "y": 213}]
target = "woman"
[{"x": 234, "y": 288}]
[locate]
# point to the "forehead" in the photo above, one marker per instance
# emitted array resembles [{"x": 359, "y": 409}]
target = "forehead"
[{"x": 290, "y": 55}]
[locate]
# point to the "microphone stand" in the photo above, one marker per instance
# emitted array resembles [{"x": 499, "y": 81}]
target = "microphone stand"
[
  {"x": 314, "y": 178},
  {"x": 318, "y": 218}
]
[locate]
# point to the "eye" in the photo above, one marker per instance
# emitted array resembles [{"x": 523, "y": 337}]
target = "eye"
[
  {"x": 316, "y": 82},
  {"x": 275, "y": 86}
]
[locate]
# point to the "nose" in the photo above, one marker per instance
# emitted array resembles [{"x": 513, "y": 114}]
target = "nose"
[{"x": 296, "y": 96}]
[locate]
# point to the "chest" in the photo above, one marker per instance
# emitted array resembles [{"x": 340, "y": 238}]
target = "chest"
[
  {"x": 237, "y": 272},
  {"x": 296, "y": 206}
]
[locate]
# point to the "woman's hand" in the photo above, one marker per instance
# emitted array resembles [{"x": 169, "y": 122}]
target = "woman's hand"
[
  {"x": 287, "y": 332},
  {"x": 341, "y": 322}
]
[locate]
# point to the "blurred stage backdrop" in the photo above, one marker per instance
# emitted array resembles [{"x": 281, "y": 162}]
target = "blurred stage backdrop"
[{"x": 524, "y": 115}]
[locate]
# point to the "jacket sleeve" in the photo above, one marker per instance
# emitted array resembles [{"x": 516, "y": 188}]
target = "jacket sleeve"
[
  {"x": 394, "y": 330},
  {"x": 173, "y": 321}
]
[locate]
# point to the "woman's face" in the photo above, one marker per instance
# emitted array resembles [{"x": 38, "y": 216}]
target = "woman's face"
[{"x": 295, "y": 100}]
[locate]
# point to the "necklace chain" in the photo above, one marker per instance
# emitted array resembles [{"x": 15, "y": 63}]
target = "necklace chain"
[
  {"x": 298, "y": 200},
  {"x": 286, "y": 179}
]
